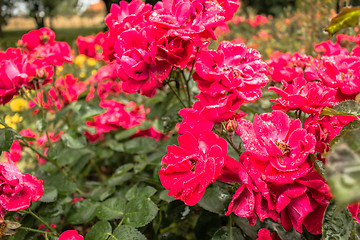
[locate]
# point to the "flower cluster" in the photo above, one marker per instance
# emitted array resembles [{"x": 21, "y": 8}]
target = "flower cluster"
[
  {"x": 17, "y": 189},
  {"x": 32, "y": 65},
  {"x": 90, "y": 46},
  {"x": 147, "y": 43}
]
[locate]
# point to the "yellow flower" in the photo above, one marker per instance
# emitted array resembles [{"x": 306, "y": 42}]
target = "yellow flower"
[
  {"x": 12, "y": 120},
  {"x": 91, "y": 61},
  {"x": 93, "y": 72},
  {"x": 59, "y": 70},
  {"x": 82, "y": 74},
  {"x": 18, "y": 105},
  {"x": 80, "y": 59}
]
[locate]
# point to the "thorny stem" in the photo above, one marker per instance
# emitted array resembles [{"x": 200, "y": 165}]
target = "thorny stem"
[
  {"x": 230, "y": 141},
  {"x": 41, "y": 220},
  {"x": 34, "y": 230},
  {"x": 177, "y": 96},
  {"x": 186, "y": 89}
]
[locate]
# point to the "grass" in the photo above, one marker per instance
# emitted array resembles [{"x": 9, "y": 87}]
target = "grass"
[{"x": 68, "y": 35}]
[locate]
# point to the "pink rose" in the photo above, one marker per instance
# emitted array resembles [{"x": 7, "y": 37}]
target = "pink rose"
[
  {"x": 70, "y": 235},
  {"x": 193, "y": 165},
  {"x": 18, "y": 190}
]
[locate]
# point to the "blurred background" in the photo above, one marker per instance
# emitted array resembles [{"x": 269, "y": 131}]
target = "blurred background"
[{"x": 298, "y": 23}]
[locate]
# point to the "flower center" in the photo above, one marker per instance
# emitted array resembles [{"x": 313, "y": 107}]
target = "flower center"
[
  {"x": 285, "y": 149},
  {"x": 193, "y": 164}
]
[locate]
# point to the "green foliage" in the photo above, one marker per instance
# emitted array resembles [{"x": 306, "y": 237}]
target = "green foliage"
[
  {"x": 6, "y": 138},
  {"x": 100, "y": 231},
  {"x": 348, "y": 17},
  {"x": 126, "y": 232},
  {"x": 343, "y": 166},
  {"x": 337, "y": 223},
  {"x": 345, "y": 108}
]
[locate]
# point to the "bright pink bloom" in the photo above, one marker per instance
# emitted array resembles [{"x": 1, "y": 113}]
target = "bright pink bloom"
[
  {"x": 13, "y": 74},
  {"x": 328, "y": 48},
  {"x": 218, "y": 108},
  {"x": 18, "y": 190},
  {"x": 90, "y": 45},
  {"x": 176, "y": 50},
  {"x": 56, "y": 53},
  {"x": 341, "y": 72},
  {"x": 137, "y": 69},
  {"x": 193, "y": 165},
  {"x": 117, "y": 115},
  {"x": 230, "y": 7},
  {"x": 189, "y": 18},
  {"x": 123, "y": 17},
  {"x": 325, "y": 129},
  {"x": 258, "y": 20},
  {"x": 264, "y": 234},
  {"x": 307, "y": 97},
  {"x": 15, "y": 152},
  {"x": 43, "y": 140},
  {"x": 127, "y": 15},
  {"x": 194, "y": 122},
  {"x": 27, "y": 132},
  {"x": 35, "y": 38},
  {"x": 74, "y": 200},
  {"x": 66, "y": 91},
  {"x": 232, "y": 67},
  {"x": 303, "y": 202},
  {"x": 284, "y": 67},
  {"x": 355, "y": 211},
  {"x": 252, "y": 198},
  {"x": 70, "y": 235},
  {"x": 104, "y": 83},
  {"x": 150, "y": 133},
  {"x": 276, "y": 139}
]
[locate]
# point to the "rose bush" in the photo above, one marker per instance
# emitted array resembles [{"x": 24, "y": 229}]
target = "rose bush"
[{"x": 147, "y": 131}]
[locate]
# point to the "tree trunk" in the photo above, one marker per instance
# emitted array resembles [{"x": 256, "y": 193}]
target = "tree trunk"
[{"x": 40, "y": 22}]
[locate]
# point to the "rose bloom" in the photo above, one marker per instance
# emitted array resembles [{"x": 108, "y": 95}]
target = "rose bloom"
[
  {"x": 18, "y": 190},
  {"x": 232, "y": 67},
  {"x": 70, "y": 235},
  {"x": 193, "y": 165},
  {"x": 279, "y": 143},
  {"x": 304, "y": 96}
]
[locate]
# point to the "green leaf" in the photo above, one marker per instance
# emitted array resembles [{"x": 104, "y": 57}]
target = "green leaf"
[
  {"x": 215, "y": 200},
  {"x": 226, "y": 233},
  {"x": 131, "y": 193},
  {"x": 126, "y": 232},
  {"x": 140, "y": 212},
  {"x": 147, "y": 192},
  {"x": 83, "y": 212},
  {"x": 125, "y": 134},
  {"x": 40, "y": 125},
  {"x": 348, "y": 134},
  {"x": 55, "y": 150},
  {"x": 6, "y": 138},
  {"x": 84, "y": 110},
  {"x": 164, "y": 195},
  {"x": 74, "y": 140},
  {"x": 101, "y": 192},
  {"x": 337, "y": 222},
  {"x": 355, "y": 234},
  {"x": 50, "y": 194},
  {"x": 100, "y": 231},
  {"x": 62, "y": 184},
  {"x": 348, "y": 17},
  {"x": 343, "y": 172},
  {"x": 345, "y": 108},
  {"x": 113, "y": 208}
]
